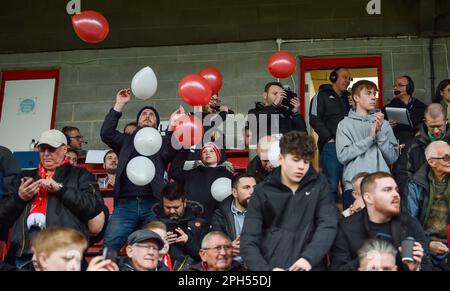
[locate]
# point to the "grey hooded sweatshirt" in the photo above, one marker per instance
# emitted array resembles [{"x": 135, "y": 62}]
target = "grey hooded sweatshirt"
[{"x": 358, "y": 152}]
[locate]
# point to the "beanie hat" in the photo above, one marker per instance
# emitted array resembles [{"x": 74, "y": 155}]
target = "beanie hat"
[
  {"x": 215, "y": 148},
  {"x": 154, "y": 110}
]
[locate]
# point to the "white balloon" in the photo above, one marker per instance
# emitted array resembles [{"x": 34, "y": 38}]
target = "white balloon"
[
  {"x": 221, "y": 189},
  {"x": 141, "y": 171},
  {"x": 147, "y": 141},
  {"x": 144, "y": 84},
  {"x": 273, "y": 153}
]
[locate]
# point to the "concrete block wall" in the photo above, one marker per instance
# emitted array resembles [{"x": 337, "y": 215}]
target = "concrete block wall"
[{"x": 90, "y": 79}]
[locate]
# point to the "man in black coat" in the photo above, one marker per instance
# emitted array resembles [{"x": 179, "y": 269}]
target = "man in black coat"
[
  {"x": 229, "y": 216},
  {"x": 380, "y": 218},
  {"x": 287, "y": 114},
  {"x": 291, "y": 220},
  {"x": 56, "y": 194},
  {"x": 185, "y": 223},
  {"x": 328, "y": 108},
  {"x": 133, "y": 203},
  {"x": 403, "y": 91}
]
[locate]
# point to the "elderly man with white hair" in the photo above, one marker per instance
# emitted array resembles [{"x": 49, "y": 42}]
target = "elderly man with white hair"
[{"x": 429, "y": 196}]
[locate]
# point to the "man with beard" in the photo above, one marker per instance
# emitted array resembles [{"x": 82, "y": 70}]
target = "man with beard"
[
  {"x": 381, "y": 218},
  {"x": 428, "y": 195},
  {"x": 229, "y": 216},
  {"x": 133, "y": 203},
  {"x": 291, "y": 220},
  {"x": 185, "y": 224},
  {"x": 110, "y": 165}
]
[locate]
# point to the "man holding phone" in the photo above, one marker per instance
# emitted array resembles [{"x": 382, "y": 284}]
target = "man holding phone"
[{"x": 185, "y": 223}]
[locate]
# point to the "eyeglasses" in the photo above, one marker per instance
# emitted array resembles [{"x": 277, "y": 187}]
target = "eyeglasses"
[
  {"x": 147, "y": 247},
  {"x": 78, "y": 137},
  {"x": 218, "y": 248},
  {"x": 43, "y": 148},
  {"x": 400, "y": 85},
  {"x": 446, "y": 158}
]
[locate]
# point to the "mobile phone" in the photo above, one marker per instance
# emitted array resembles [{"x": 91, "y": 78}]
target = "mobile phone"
[
  {"x": 108, "y": 254},
  {"x": 177, "y": 224}
]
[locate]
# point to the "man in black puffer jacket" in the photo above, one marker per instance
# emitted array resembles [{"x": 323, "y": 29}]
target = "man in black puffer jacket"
[{"x": 57, "y": 194}]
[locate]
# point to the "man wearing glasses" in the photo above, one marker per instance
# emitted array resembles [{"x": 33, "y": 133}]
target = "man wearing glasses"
[
  {"x": 143, "y": 252},
  {"x": 434, "y": 128},
  {"x": 56, "y": 194},
  {"x": 74, "y": 139},
  {"x": 429, "y": 197},
  {"x": 403, "y": 91},
  {"x": 216, "y": 253}
]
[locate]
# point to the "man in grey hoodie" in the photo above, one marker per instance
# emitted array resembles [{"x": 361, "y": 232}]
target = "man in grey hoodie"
[{"x": 364, "y": 140}]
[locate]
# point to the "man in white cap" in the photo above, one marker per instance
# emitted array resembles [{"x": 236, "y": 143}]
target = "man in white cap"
[{"x": 55, "y": 194}]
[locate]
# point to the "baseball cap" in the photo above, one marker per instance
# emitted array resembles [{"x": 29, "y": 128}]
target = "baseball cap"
[{"x": 53, "y": 137}]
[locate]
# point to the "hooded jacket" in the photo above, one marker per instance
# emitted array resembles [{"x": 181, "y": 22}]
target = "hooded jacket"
[
  {"x": 123, "y": 145},
  {"x": 326, "y": 111},
  {"x": 357, "y": 151},
  {"x": 281, "y": 227},
  {"x": 197, "y": 182},
  {"x": 413, "y": 156}
]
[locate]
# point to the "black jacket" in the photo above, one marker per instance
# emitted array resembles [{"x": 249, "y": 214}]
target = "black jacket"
[
  {"x": 223, "y": 219},
  {"x": 288, "y": 120},
  {"x": 126, "y": 265},
  {"x": 281, "y": 227},
  {"x": 197, "y": 182},
  {"x": 123, "y": 145},
  {"x": 255, "y": 169},
  {"x": 355, "y": 230},
  {"x": 326, "y": 111},
  {"x": 197, "y": 229},
  {"x": 72, "y": 207},
  {"x": 416, "y": 110},
  {"x": 413, "y": 157}
]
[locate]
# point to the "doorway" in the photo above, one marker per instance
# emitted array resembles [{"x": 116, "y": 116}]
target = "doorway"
[{"x": 315, "y": 72}]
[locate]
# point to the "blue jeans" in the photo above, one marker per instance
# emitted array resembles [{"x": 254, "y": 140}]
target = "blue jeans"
[
  {"x": 127, "y": 215},
  {"x": 331, "y": 167}
]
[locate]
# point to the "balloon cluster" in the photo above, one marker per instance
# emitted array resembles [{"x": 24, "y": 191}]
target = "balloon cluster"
[
  {"x": 197, "y": 89},
  {"x": 141, "y": 170}
]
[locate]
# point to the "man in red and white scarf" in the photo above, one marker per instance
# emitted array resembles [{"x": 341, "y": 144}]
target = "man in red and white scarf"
[{"x": 55, "y": 194}]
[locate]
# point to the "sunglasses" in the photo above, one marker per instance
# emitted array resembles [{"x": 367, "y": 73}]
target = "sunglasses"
[
  {"x": 50, "y": 149},
  {"x": 78, "y": 137},
  {"x": 446, "y": 158}
]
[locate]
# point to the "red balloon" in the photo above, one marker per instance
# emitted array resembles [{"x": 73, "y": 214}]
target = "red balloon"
[
  {"x": 188, "y": 130},
  {"x": 90, "y": 26},
  {"x": 195, "y": 90},
  {"x": 281, "y": 65},
  {"x": 214, "y": 78}
]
